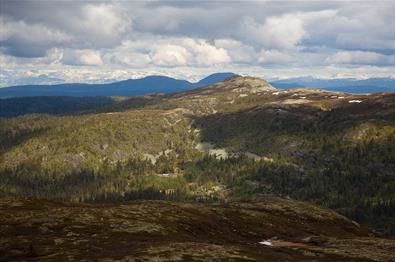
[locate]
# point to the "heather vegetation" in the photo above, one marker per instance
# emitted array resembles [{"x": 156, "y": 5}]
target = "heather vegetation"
[{"x": 269, "y": 230}]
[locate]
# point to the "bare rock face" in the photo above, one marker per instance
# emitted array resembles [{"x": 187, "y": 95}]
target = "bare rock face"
[
  {"x": 244, "y": 84},
  {"x": 173, "y": 231}
]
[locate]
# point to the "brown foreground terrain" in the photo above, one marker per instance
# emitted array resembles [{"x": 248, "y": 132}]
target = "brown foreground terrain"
[{"x": 288, "y": 230}]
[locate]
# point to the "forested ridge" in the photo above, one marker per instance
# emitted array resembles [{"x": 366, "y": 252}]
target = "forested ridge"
[{"x": 333, "y": 149}]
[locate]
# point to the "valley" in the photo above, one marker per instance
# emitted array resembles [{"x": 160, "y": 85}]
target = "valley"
[
  {"x": 208, "y": 151},
  {"x": 161, "y": 131}
]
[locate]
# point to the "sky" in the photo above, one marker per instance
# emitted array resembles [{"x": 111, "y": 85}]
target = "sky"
[{"x": 43, "y": 42}]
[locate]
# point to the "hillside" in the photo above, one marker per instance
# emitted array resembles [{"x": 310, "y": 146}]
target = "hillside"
[
  {"x": 16, "y": 106},
  {"x": 233, "y": 140},
  {"x": 265, "y": 230}
]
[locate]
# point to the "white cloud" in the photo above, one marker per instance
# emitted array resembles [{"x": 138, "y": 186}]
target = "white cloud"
[
  {"x": 169, "y": 55},
  {"x": 187, "y": 51},
  {"x": 30, "y": 32},
  {"x": 238, "y": 52},
  {"x": 29, "y": 40},
  {"x": 82, "y": 57},
  {"x": 166, "y": 52},
  {"x": 89, "y": 57},
  {"x": 273, "y": 57},
  {"x": 205, "y": 53},
  {"x": 282, "y": 32},
  {"x": 360, "y": 57},
  {"x": 91, "y": 26},
  {"x": 129, "y": 53},
  {"x": 104, "y": 20},
  {"x": 130, "y": 59}
]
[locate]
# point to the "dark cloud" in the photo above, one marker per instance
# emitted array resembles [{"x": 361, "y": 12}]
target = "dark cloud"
[
  {"x": 14, "y": 47},
  {"x": 355, "y": 21}
]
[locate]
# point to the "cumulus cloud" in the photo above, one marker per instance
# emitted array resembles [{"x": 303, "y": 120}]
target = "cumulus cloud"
[
  {"x": 90, "y": 26},
  {"x": 102, "y": 25},
  {"x": 204, "y": 53},
  {"x": 167, "y": 52},
  {"x": 237, "y": 51},
  {"x": 90, "y": 58},
  {"x": 104, "y": 19},
  {"x": 169, "y": 55},
  {"x": 187, "y": 51},
  {"x": 82, "y": 57},
  {"x": 29, "y": 40},
  {"x": 276, "y": 32},
  {"x": 282, "y": 32}
]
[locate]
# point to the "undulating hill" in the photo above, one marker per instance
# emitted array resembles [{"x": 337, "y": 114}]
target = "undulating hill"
[
  {"x": 350, "y": 85},
  {"x": 233, "y": 140},
  {"x": 56, "y": 105},
  {"x": 166, "y": 85},
  {"x": 130, "y": 87}
]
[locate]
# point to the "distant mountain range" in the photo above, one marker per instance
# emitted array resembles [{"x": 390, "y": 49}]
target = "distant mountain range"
[
  {"x": 348, "y": 85},
  {"x": 164, "y": 84},
  {"x": 130, "y": 87}
]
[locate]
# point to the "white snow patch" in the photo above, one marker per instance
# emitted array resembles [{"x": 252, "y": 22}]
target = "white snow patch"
[
  {"x": 177, "y": 121},
  {"x": 276, "y": 93},
  {"x": 266, "y": 243},
  {"x": 150, "y": 157},
  {"x": 295, "y": 101},
  {"x": 209, "y": 148},
  {"x": 355, "y": 101}
]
